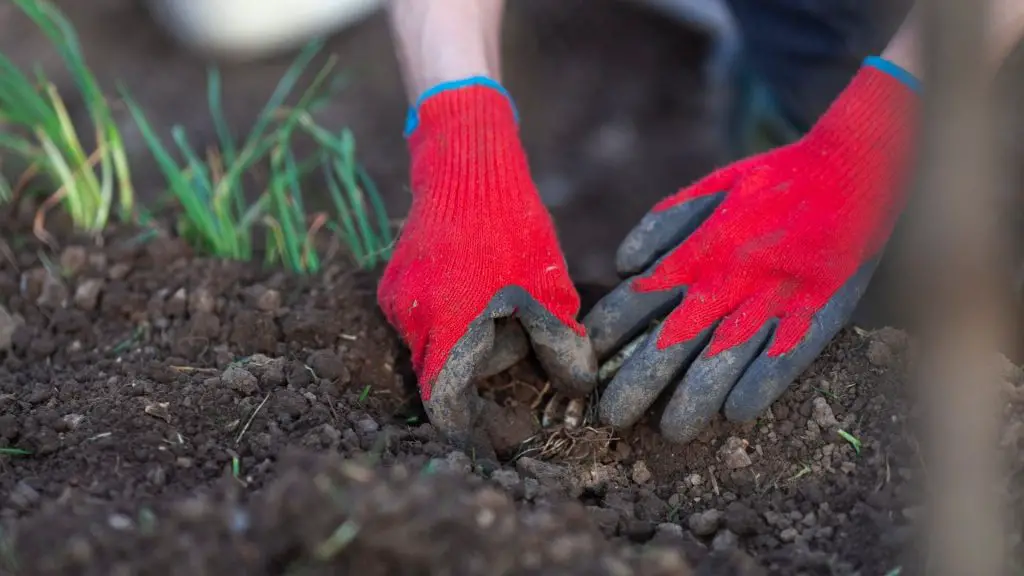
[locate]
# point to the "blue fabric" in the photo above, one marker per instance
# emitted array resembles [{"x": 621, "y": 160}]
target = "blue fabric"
[
  {"x": 895, "y": 71},
  {"x": 796, "y": 57},
  {"x": 805, "y": 51},
  {"x": 412, "y": 119}
]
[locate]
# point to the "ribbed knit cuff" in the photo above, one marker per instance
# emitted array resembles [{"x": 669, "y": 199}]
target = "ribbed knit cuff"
[{"x": 412, "y": 119}]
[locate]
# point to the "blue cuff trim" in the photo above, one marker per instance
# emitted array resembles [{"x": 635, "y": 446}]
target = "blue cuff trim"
[
  {"x": 412, "y": 119},
  {"x": 894, "y": 70}
]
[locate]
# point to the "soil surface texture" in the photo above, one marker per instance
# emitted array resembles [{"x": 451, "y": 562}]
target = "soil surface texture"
[
  {"x": 165, "y": 414},
  {"x": 181, "y": 415}
]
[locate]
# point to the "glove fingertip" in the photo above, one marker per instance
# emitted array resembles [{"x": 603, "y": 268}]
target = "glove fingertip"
[
  {"x": 659, "y": 231},
  {"x": 644, "y": 376},
  {"x": 624, "y": 314},
  {"x": 568, "y": 359}
]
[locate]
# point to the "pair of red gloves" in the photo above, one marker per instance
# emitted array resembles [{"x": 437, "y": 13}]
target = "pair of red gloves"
[{"x": 754, "y": 269}]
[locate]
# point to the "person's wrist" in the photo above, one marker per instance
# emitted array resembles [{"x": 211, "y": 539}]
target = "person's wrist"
[
  {"x": 461, "y": 96},
  {"x": 893, "y": 68}
]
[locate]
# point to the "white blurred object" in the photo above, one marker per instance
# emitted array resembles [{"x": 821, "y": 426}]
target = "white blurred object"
[{"x": 247, "y": 29}]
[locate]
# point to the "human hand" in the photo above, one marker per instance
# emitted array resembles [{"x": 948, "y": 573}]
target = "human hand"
[
  {"x": 477, "y": 253},
  {"x": 758, "y": 265}
]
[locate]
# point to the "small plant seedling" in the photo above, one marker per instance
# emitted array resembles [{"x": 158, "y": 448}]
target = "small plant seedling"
[
  {"x": 429, "y": 469},
  {"x": 365, "y": 394},
  {"x": 827, "y": 393},
  {"x": 40, "y": 134},
  {"x": 14, "y": 452},
  {"x": 851, "y": 439},
  {"x": 219, "y": 217},
  {"x": 805, "y": 470},
  {"x": 342, "y": 536},
  {"x": 674, "y": 513}
]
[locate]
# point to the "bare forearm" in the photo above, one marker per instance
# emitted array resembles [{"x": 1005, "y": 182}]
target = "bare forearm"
[
  {"x": 1006, "y": 27},
  {"x": 442, "y": 41}
]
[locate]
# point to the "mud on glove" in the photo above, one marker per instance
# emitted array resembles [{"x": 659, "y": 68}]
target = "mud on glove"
[
  {"x": 477, "y": 260},
  {"x": 758, "y": 265}
]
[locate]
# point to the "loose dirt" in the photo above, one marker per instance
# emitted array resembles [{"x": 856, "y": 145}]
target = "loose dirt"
[{"x": 190, "y": 416}]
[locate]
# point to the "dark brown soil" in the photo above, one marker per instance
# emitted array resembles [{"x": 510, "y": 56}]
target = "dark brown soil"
[
  {"x": 192, "y": 416},
  {"x": 189, "y": 416}
]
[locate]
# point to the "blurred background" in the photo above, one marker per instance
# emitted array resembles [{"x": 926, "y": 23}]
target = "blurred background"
[{"x": 618, "y": 102}]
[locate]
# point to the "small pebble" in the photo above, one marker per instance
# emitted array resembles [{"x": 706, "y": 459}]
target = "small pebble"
[
  {"x": 327, "y": 364},
  {"x": 879, "y": 354},
  {"x": 9, "y": 324},
  {"x": 367, "y": 426},
  {"x": 509, "y": 480},
  {"x": 669, "y": 530},
  {"x": 177, "y": 304},
  {"x": 201, "y": 301},
  {"x": 725, "y": 540},
  {"x": 23, "y": 496},
  {"x": 73, "y": 260},
  {"x": 459, "y": 462},
  {"x": 269, "y": 301},
  {"x": 734, "y": 453},
  {"x": 704, "y": 523},
  {"x": 119, "y": 271},
  {"x": 641, "y": 474},
  {"x": 240, "y": 380},
  {"x": 822, "y": 413},
  {"x": 54, "y": 293},
  {"x": 891, "y": 337},
  {"x": 119, "y": 522},
  {"x": 87, "y": 295},
  {"x": 544, "y": 472}
]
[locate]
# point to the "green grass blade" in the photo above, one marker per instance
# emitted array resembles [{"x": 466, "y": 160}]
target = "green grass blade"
[
  {"x": 350, "y": 237},
  {"x": 113, "y": 164},
  {"x": 19, "y": 146},
  {"x": 279, "y": 187},
  {"x": 66, "y": 176},
  {"x": 255, "y": 145},
  {"x": 346, "y": 164},
  {"x": 200, "y": 173},
  {"x": 227, "y": 147},
  {"x": 178, "y": 184},
  {"x": 310, "y": 263},
  {"x": 6, "y": 192},
  {"x": 225, "y": 228},
  {"x": 213, "y": 97},
  {"x": 122, "y": 171},
  {"x": 284, "y": 87},
  {"x": 254, "y": 212},
  {"x": 386, "y": 241},
  {"x": 65, "y": 39},
  {"x": 358, "y": 185},
  {"x": 21, "y": 102},
  {"x": 275, "y": 240}
]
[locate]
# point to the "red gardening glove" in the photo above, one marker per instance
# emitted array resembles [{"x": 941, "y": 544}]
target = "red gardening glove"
[
  {"x": 768, "y": 257},
  {"x": 478, "y": 246}
]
